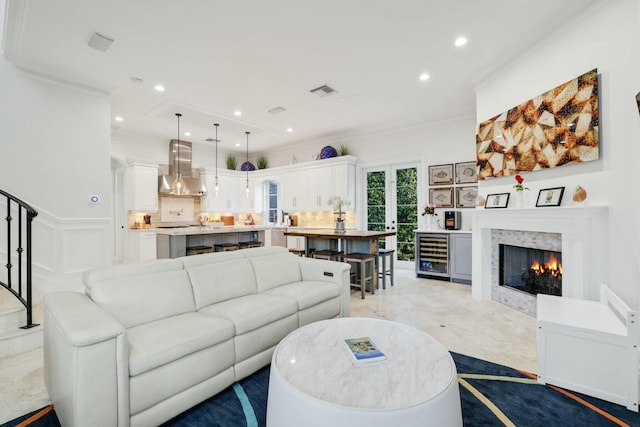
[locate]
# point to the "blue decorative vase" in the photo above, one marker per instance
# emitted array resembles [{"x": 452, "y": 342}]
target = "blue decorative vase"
[
  {"x": 328, "y": 152},
  {"x": 247, "y": 166}
]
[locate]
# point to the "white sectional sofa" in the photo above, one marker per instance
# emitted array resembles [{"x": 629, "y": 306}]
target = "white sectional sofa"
[{"x": 149, "y": 340}]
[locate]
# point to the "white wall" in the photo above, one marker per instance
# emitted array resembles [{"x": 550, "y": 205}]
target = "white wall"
[
  {"x": 605, "y": 38},
  {"x": 54, "y": 143}
]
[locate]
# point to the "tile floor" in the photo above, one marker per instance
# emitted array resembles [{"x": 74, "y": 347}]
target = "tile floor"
[{"x": 446, "y": 311}]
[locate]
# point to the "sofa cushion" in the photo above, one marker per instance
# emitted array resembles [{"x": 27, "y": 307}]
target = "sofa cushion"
[
  {"x": 134, "y": 300},
  {"x": 157, "y": 343},
  {"x": 275, "y": 270},
  {"x": 114, "y": 272},
  {"x": 307, "y": 294},
  {"x": 253, "y": 311},
  {"x": 209, "y": 258},
  {"x": 221, "y": 281}
]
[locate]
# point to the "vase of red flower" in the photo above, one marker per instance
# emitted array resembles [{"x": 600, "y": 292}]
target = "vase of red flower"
[{"x": 519, "y": 197}]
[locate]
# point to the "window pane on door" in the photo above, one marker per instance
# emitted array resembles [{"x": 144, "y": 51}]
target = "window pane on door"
[
  {"x": 376, "y": 219},
  {"x": 407, "y": 212},
  {"x": 272, "y": 207}
]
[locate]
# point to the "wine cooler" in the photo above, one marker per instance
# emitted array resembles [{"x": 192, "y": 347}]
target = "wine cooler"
[{"x": 432, "y": 255}]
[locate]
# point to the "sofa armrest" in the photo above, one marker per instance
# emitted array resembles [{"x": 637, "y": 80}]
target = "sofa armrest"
[
  {"x": 85, "y": 362},
  {"x": 329, "y": 271}
]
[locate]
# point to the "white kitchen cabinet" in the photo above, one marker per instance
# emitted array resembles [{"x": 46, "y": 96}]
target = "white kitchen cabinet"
[
  {"x": 460, "y": 258},
  {"x": 228, "y": 198},
  {"x": 143, "y": 187},
  {"x": 294, "y": 190},
  {"x": 295, "y": 242},
  {"x": 309, "y": 186},
  {"x": 344, "y": 183},
  {"x": 247, "y": 200},
  {"x": 142, "y": 246}
]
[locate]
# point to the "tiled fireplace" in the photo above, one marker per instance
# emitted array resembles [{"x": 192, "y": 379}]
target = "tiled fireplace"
[
  {"x": 534, "y": 241},
  {"x": 579, "y": 234}
]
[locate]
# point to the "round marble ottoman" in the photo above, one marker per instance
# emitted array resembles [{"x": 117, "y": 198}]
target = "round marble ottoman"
[{"x": 313, "y": 381}]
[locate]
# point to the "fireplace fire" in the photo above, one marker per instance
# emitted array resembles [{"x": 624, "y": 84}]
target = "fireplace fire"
[{"x": 534, "y": 271}]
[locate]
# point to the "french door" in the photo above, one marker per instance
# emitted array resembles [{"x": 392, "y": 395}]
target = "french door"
[{"x": 391, "y": 203}]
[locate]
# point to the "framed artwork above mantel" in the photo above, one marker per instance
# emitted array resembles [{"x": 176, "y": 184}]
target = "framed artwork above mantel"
[{"x": 556, "y": 128}]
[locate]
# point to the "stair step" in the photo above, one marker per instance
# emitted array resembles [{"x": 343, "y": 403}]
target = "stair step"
[
  {"x": 12, "y": 313},
  {"x": 20, "y": 340},
  {"x": 13, "y": 316}
]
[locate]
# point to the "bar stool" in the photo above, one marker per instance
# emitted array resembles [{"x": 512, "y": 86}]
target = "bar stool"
[
  {"x": 364, "y": 269},
  {"x": 226, "y": 247},
  {"x": 196, "y": 250},
  {"x": 297, "y": 251},
  {"x": 383, "y": 254},
  {"x": 250, "y": 244},
  {"x": 331, "y": 255}
]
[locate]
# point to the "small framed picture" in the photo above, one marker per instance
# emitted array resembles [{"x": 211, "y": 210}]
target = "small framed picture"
[
  {"x": 466, "y": 173},
  {"x": 550, "y": 196},
  {"x": 443, "y": 197},
  {"x": 466, "y": 197},
  {"x": 497, "y": 201},
  {"x": 441, "y": 174}
]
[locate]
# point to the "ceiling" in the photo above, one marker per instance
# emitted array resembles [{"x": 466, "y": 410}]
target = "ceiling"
[{"x": 215, "y": 57}]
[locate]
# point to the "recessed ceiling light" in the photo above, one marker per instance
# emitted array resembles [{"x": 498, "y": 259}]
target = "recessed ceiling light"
[
  {"x": 118, "y": 118},
  {"x": 460, "y": 41},
  {"x": 237, "y": 144},
  {"x": 289, "y": 130},
  {"x": 159, "y": 88},
  {"x": 237, "y": 113},
  {"x": 424, "y": 77},
  {"x": 187, "y": 134}
]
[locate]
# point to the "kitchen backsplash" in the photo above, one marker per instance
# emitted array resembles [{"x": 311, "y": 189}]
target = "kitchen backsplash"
[{"x": 176, "y": 210}]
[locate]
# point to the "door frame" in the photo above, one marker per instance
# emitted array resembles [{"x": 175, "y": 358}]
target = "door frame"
[
  {"x": 118, "y": 208},
  {"x": 391, "y": 211}
]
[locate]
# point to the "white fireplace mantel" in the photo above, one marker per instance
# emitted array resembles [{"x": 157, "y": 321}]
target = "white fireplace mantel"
[{"x": 585, "y": 244}]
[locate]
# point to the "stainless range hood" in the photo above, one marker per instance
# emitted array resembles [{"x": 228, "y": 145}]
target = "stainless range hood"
[{"x": 180, "y": 160}]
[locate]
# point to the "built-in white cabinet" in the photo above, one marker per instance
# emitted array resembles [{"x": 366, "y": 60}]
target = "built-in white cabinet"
[
  {"x": 295, "y": 242},
  {"x": 344, "y": 182},
  {"x": 294, "y": 192},
  {"x": 142, "y": 246},
  {"x": 460, "y": 257},
  {"x": 247, "y": 196},
  {"x": 143, "y": 187},
  {"x": 232, "y": 192},
  {"x": 304, "y": 187},
  {"x": 308, "y": 187}
]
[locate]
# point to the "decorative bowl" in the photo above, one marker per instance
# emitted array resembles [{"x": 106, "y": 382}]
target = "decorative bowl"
[
  {"x": 328, "y": 152},
  {"x": 247, "y": 166}
]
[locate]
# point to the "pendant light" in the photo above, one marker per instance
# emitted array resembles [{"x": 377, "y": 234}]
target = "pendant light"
[
  {"x": 177, "y": 187},
  {"x": 216, "y": 126},
  {"x": 247, "y": 187}
]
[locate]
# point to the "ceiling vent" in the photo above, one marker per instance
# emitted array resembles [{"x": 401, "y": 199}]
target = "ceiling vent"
[
  {"x": 100, "y": 42},
  {"x": 323, "y": 90},
  {"x": 277, "y": 110}
]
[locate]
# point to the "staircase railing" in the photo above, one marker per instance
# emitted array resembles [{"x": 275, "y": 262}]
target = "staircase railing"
[{"x": 22, "y": 246}]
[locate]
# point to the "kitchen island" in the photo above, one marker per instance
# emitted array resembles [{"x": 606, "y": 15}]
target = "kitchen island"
[
  {"x": 349, "y": 241},
  {"x": 177, "y": 242}
]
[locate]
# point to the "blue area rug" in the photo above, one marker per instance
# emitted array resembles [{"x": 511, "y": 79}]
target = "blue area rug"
[{"x": 491, "y": 395}]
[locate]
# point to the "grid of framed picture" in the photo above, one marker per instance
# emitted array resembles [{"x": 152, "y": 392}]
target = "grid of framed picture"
[{"x": 457, "y": 177}]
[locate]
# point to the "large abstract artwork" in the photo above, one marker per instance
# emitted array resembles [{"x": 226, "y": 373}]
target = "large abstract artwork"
[{"x": 556, "y": 128}]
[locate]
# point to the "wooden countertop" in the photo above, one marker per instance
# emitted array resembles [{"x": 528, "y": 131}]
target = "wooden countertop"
[
  {"x": 347, "y": 235},
  {"x": 187, "y": 231}
]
